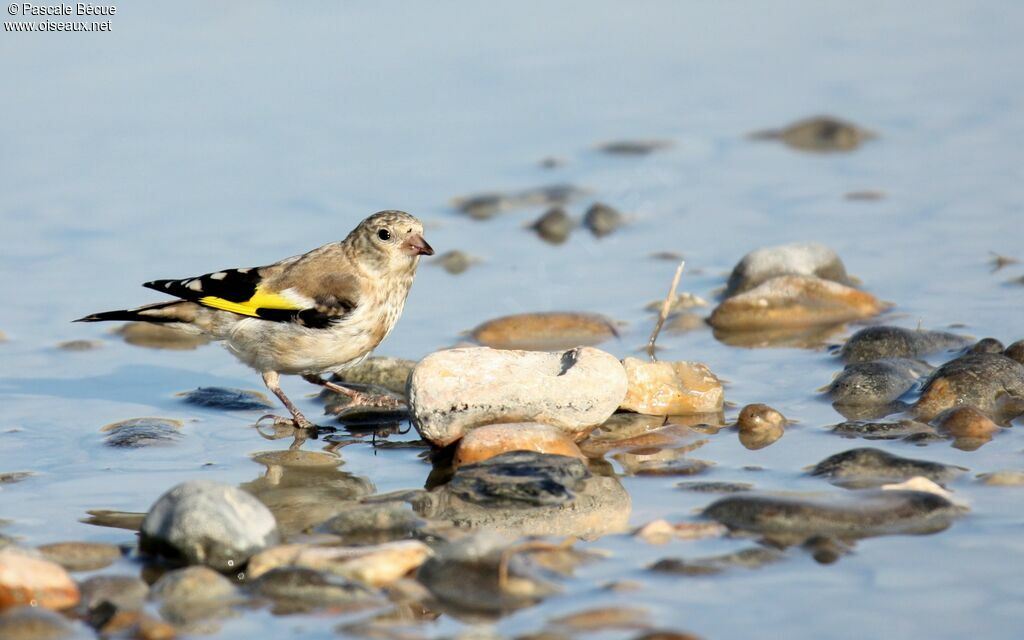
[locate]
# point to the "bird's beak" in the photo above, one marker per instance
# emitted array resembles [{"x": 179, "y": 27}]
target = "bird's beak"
[{"x": 415, "y": 245}]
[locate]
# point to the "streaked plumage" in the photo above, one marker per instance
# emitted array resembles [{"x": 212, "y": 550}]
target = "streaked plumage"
[{"x": 319, "y": 312}]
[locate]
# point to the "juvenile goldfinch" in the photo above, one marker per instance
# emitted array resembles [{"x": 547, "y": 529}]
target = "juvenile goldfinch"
[{"x": 319, "y": 312}]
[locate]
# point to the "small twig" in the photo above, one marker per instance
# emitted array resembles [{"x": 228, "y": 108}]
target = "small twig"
[{"x": 665, "y": 307}]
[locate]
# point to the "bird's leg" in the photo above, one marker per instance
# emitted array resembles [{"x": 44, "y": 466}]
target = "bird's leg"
[
  {"x": 358, "y": 398},
  {"x": 271, "y": 379}
]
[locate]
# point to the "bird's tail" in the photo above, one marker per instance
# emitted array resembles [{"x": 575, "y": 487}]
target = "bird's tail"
[{"x": 161, "y": 312}]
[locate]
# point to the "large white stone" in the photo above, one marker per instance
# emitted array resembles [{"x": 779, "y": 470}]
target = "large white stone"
[{"x": 458, "y": 389}]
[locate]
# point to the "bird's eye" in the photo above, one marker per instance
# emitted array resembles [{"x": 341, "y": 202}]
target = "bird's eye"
[{"x": 384, "y": 234}]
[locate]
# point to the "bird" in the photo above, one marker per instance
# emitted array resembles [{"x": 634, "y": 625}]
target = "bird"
[{"x": 319, "y": 312}]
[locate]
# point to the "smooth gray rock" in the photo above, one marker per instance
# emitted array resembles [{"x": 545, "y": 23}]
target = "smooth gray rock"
[
  {"x": 455, "y": 390},
  {"x": 869, "y": 467},
  {"x": 205, "y": 522},
  {"x": 876, "y": 382},
  {"x": 36, "y": 623},
  {"x": 374, "y": 523},
  {"x": 554, "y": 226},
  {"x": 125, "y": 593},
  {"x": 302, "y": 588},
  {"x": 602, "y": 219},
  {"x": 797, "y": 258},
  {"x": 142, "y": 432},
  {"x": 871, "y": 430},
  {"x": 227, "y": 398},
  {"x": 877, "y": 343}
]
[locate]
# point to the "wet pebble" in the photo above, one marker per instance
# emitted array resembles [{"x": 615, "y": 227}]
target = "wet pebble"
[
  {"x": 752, "y": 558},
  {"x": 544, "y": 331},
  {"x": 602, "y": 219},
  {"x": 634, "y": 147},
  {"x": 205, "y": 522},
  {"x": 671, "y": 388},
  {"x": 668, "y": 462},
  {"x": 554, "y": 226},
  {"x": 374, "y": 523},
  {"x": 793, "y": 302},
  {"x": 455, "y": 261},
  {"x": 865, "y": 195},
  {"x": 1005, "y": 478},
  {"x": 32, "y": 623},
  {"x": 81, "y": 556},
  {"x": 382, "y": 371},
  {"x": 142, "y": 432},
  {"x": 877, "y": 343},
  {"x": 373, "y": 565},
  {"x": 869, "y": 467},
  {"x": 603, "y": 619},
  {"x": 797, "y": 258},
  {"x": 486, "y": 205},
  {"x": 521, "y": 478},
  {"x": 227, "y": 399},
  {"x": 714, "y": 487},
  {"x": 10, "y": 477},
  {"x": 819, "y": 134},
  {"x": 192, "y": 595},
  {"x": 852, "y": 514},
  {"x": 987, "y": 345},
  {"x": 877, "y": 382},
  {"x": 639, "y": 435},
  {"x": 80, "y": 345},
  {"x": 455, "y": 390},
  {"x": 155, "y": 336},
  {"x": 488, "y": 441},
  {"x": 990, "y": 382},
  {"x": 301, "y": 588},
  {"x": 27, "y": 580},
  {"x": 482, "y": 572},
  {"x": 684, "y": 300},
  {"x": 966, "y": 422},
  {"x": 1015, "y": 351},
  {"x": 870, "y": 430},
  {"x": 759, "y": 425},
  {"x": 126, "y": 593}
]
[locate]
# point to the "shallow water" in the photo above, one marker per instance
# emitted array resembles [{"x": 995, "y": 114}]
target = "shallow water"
[{"x": 195, "y": 137}]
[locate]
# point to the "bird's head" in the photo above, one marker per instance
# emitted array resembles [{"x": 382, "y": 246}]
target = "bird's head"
[{"x": 392, "y": 241}]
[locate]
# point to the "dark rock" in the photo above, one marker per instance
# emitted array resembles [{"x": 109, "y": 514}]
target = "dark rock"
[
  {"x": 854, "y": 514},
  {"x": 870, "y": 430},
  {"x": 142, "y": 432},
  {"x": 751, "y": 558},
  {"x": 1015, "y": 351},
  {"x": 602, "y": 219},
  {"x": 554, "y": 226},
  {"x": 486, "y": 205},
  {"x": 819, "y": 134},
  {"x": 522, "y": 477},
  {"x": 877, "y": 343},
  {"x": 876, "y": 382},
  {"x": 987, "y": 345},
  {"x": 868, "y": 467},
  {"x": 301, "y": 588},
  {"x": 10, "y": 477},
  {"x": 80, "y": 345},
  {"x": 126, "y": 593},
  {"x": 455, "y": 261},
  {"x": 374, "y": 523},
  {"x": 714, "y": 487},
  {"x": 227, "y": 399},
  {"x": 467, "y": 574},
  {"x": 634, "y": 147},
  {"x": 205, "y": 522},
  {"x": 989, "y": 382}
]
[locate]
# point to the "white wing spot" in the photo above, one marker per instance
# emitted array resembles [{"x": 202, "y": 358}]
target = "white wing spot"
[
  {"x": 194, "y": 285},
  {"x": 245, "y": 270},
  {"x": 168, "y": 285},
  {"x": 220, "y": 275}
]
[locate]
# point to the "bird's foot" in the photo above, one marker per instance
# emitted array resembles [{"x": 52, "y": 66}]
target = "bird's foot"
[
  {"x": 365, "y": 400},
  {"x": 296, "y": 422}
]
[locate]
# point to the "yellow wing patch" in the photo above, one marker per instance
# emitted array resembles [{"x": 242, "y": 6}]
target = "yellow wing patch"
[{"x": 260, "y": 300}]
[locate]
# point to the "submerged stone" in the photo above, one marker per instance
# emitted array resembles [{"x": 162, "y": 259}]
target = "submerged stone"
[
  {"x": 554, "y": 226},
  {"x": 382, "y": 371},
  {"x": 226, "y": 398},
  {"x": 205, "y": 522},
  {"x": 157, "y": 336},
  {"x": 142, "y": 432},
  {"x": 869, "y": 467},
  {"x": 1005, "y": 478},
  {"x": 374, "y": 523},
  {"x": 797, "y": 258},
  {"x": 81, "y": 556},
  {"x": 870, "y": 430},
  {"x": 853, "y": 514},
  {"x": 876, "y": 382},
  {"x": 33, "y": 623},
  {"x": 544, "y": 331},
  {"x": 456, "y": 390},
  {"x": 989, "y": 382},
  {"x": 520, "y": 477},
  {"x": 714, "y": 487},
  {"x": 966, "y": 422},
  {"x": 634, "y": 147},
  {"x": 602, "y": 219},
  {"x": 373, "y": 565},
  {"x": 455, "y": 261},
  {"x": 124, "y": 593},
  {"x": 819, "y": 134},
  {"x": 752, "y": 558},
  {"x": 877, "y": 343},
  {"x": 80, "y": 345},
  {"x": 486, "y": 205},
  {"x": 310, "y": 588}
]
